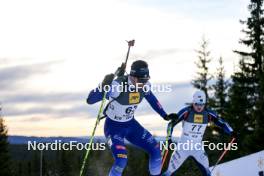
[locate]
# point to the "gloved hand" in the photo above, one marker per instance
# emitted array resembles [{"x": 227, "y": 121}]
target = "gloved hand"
[
  {"x": 108, "y": 79},
  {"x": 172, "y": 116},
  {"x": 121, "y": 70}
]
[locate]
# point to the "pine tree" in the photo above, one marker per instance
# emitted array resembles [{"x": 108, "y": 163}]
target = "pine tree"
[
  {"x": 219, "y": 104},
  {"x": 65, "y": 163},
  {"x": 5, "y": 160},
  {"x": 220, "y": 90},
  {"x": 203, "y": 77},
  {"x": 29, "y": 168},
  {"x": 36, "y": 163},
  {"x": 246, "y": 93}
]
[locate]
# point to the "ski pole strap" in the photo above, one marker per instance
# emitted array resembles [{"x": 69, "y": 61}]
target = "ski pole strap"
[{"x": 101, "y": 118}]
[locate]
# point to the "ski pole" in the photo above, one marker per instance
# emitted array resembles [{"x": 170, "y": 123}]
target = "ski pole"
[
  {"x": 169, "y": 128},
  {"x": 164, "y": 151},
  {"x": 118, "y": 71},
  {"x": 92, "y": 136},
  {"x": 164, "y": 158},
  {"x": 130, "y": 44},
  {"x": 222, "y": 155},
  {"x": 167, "y": 138}
]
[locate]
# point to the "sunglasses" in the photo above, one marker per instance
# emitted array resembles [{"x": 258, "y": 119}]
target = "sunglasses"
[
  {"x": 200, "y": 105},
  {"x": 143, "y": 80}
]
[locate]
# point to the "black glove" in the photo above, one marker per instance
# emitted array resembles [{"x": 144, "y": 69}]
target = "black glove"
[
  {"x": 108, "y": 79},
  {"x": 121, "y": 70},
  {"x": 172, "y": 116}
]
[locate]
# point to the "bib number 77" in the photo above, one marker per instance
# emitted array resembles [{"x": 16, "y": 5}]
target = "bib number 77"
[{"x": 196, "y": 127}]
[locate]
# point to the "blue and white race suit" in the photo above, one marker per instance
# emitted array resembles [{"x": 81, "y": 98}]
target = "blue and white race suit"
[{"x": 193, "y": 127}]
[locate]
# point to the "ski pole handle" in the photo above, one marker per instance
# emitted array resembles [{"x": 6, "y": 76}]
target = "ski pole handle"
[{"x": 122, "y": 69}]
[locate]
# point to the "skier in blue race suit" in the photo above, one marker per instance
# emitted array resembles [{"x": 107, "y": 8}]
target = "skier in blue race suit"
[
  {"x": 120, "y": 123},
  {"x": 195, "y": 119}
]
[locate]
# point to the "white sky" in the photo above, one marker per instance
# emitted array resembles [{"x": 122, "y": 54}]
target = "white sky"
[{"x": 84, "y": 40}]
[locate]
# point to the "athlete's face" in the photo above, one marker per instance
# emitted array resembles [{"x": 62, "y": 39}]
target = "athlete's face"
[
  {"x": 138, "y": 82},
  {"x": 198, "y": 107}
]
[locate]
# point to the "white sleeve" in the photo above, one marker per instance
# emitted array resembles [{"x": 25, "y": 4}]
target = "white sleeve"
[{"x": 115, "y": 90}]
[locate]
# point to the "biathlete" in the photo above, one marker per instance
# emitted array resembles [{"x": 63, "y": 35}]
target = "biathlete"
[
  {"x": 195, "y": 119},
  {"x": 120, "y": 123}
]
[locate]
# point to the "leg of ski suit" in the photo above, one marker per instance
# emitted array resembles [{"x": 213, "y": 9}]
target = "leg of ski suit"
[
  {"x": 115, "y": 133},
  {"x": 178, "y": 157},
  {"x": 137, "y": 135},
  {"x": 144, "y": 140},
  {"x": 201, "y": 159},
  {"x": 176, "y": 160}
]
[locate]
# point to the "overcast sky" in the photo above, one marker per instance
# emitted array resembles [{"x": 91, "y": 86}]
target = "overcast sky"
[{"x": 53, "y": 52}]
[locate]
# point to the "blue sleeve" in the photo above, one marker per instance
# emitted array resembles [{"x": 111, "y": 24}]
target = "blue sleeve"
[
  {"x": 154, "y": 103},
  {"x": 95, "y": 96},
  {"x": 219, "y": 122},
  {"x": 182, "y": 112}
]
